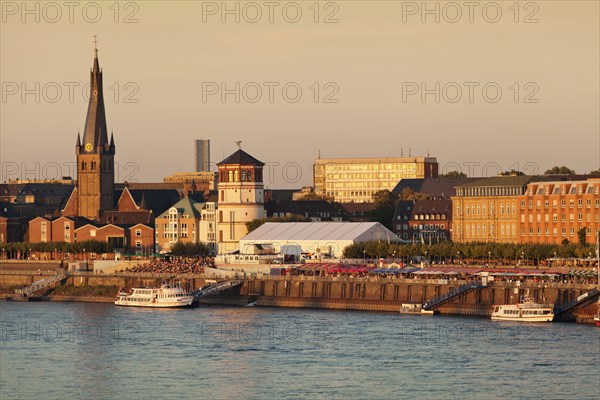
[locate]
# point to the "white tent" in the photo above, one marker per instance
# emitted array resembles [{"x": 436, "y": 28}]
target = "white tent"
[{"x": 316, "y": 237}]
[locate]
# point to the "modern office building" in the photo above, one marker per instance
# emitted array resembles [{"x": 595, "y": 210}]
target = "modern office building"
[
  {"x": 202, "y": 155},
  {"x": 355, "y": 180}
]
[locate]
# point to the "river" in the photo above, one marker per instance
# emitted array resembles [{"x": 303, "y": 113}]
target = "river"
[{"x": 100, "y": 351}]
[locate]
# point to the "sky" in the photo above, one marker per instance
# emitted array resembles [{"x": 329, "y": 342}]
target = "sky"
[{"x": 483, "y": 86}]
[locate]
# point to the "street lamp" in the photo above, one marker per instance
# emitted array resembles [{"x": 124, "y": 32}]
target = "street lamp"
[
  {"x": 555, "y": 260},
  {"x": 522, "y": 257},
  {"x": 364, "y": 256},
  {"x": 489, "y": 258},
  {"x": 426, "y": 259},
  {"x": 458, "y": 256},
  {"x": 29, "y": 257}
]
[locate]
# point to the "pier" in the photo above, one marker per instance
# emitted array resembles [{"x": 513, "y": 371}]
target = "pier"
[{"x": 573, "y": 301}]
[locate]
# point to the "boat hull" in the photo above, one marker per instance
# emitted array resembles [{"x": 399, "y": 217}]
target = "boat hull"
[
  {"x": 184, "y": 302},
  {"x": 536, "y": 318}
]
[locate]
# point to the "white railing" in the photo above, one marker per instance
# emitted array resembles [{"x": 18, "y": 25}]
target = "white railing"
[{"x": 42, "y": 283}]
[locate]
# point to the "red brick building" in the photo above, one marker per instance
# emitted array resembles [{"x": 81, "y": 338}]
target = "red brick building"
[
  {"x": 427, "y": 221},
  {"x": 552, "y": 211}
]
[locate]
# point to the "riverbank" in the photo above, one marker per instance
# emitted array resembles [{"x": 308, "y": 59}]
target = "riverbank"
[{"x": 336, "y": 293}]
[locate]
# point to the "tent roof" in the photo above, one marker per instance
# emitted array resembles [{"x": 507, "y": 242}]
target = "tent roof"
[{"x": 321, "y": 231}]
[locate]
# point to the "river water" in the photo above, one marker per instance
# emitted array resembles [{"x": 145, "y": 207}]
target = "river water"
[{"x": 100, "y": 351}]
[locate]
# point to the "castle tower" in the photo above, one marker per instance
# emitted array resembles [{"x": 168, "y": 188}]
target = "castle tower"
[
  {"x": 95, "y": 155},
  {"x": 241, "y": 198}
]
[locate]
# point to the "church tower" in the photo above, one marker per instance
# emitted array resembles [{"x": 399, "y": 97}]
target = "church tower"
[
  {"x": 241, "y": 198},
  {"x": 95, "y": 154}
]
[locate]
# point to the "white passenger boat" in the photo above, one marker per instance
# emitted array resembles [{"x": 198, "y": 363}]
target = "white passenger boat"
[
  {"x": 526, "y": 311},
  {"x": 168, "y": 295}
]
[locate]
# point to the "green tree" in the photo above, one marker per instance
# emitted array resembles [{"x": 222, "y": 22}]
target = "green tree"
[
  {"x": 512, "y": 172},
  {"x": 595, "y": 173},
  {"x": 453, "y": 174},
  {"x": 581, "y": 236},
  {"x": 562, "y": 170},
  {"x": 409, "y": 194},
  {"x": 385, "y": 206}
]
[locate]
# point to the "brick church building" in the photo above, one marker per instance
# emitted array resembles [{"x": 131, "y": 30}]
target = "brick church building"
[{"x": 95, "y": 210}]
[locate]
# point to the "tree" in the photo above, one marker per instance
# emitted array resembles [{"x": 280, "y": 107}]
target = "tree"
[
  {"x": 189, "y": 249},
  {"x": 314, "y": 197},
  {"x": 385, "y": 206},
  {"x": 595, "y": 172},
  {"x": 453, "y": 174},
  {"x": 562, "y": 170},
  {"x": 512, "y": 172},
  {"x": 581, "y": 236},
  {"x": 409, "y": 194}
]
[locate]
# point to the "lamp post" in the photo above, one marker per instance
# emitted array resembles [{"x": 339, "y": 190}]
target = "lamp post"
[
  {"x": 489, "y": 258},
  {"x": 522, "y": 257},
  {"x": 554, "y": 259},
  {"x": 29, "y": 256},
  {"x": 364, "y": 256},
  {"x": 458, "y": 256},
  {"x": 83, "y": 254},
  {"x": 426, "y": 259}
]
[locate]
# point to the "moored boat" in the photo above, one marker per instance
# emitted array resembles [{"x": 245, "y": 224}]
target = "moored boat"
[
  {"x": 166, "y": 296},
  {"x": 526, "y": 311}
]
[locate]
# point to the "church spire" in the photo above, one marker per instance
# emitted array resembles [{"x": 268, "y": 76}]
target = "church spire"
[{"x": 95, "y": 136}]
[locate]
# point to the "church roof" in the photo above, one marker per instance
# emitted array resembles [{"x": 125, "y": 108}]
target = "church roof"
[
  {"x": 95, "y": 134},
  {"x": 157, "y": 200},
  {"x": 242, "y": 158}
]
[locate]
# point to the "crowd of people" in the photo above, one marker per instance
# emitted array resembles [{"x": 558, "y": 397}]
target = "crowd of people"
[{"x": 173, "y": 265}]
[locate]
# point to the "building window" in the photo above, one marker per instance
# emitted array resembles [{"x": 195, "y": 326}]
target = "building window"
[
  {"x": 138, "y": 244},
  {"x": 93, "y": 233},
  {"x": 571, "y": 231},
  {"x": 138, "y": 232}
]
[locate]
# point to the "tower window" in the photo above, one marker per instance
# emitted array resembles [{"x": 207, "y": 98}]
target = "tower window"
[
  {"x": 93, "y": 165},
  {"x": 83, "y": 165}
]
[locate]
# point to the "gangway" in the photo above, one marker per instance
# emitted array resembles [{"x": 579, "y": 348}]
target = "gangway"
[
  {"x": 581, "y": 301},
  {"x": 216, "y": 288},
  {"x": 43, "y": 283},
  {"x": 463, "y": 289}
]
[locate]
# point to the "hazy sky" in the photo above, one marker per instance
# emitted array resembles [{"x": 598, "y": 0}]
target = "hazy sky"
[{"x": 378, "y": 68}]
